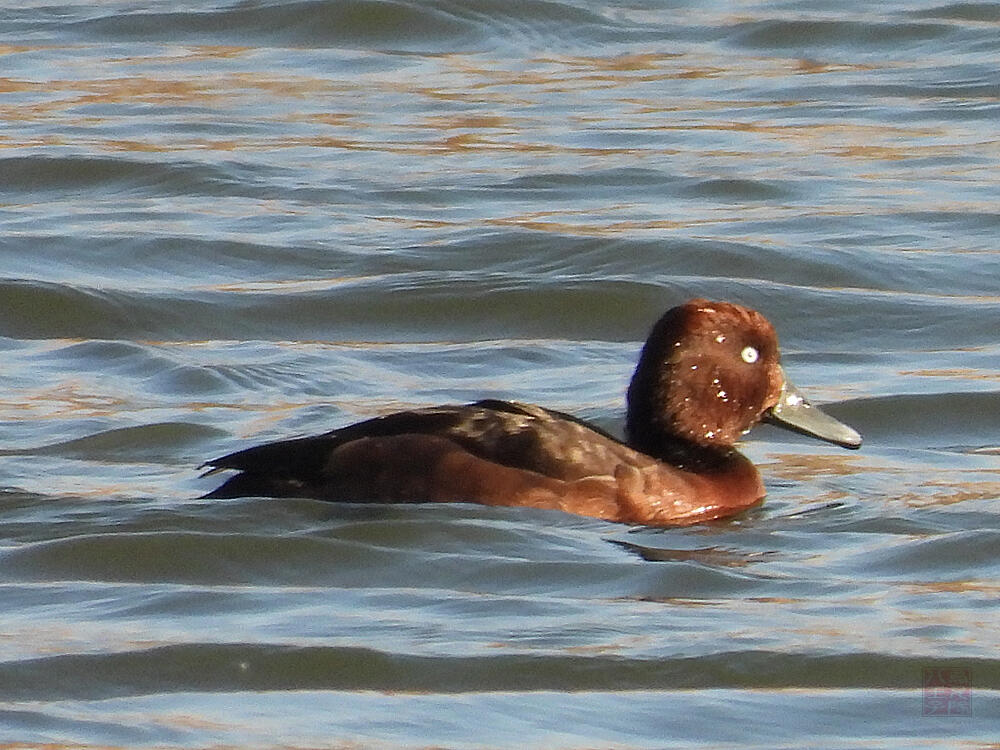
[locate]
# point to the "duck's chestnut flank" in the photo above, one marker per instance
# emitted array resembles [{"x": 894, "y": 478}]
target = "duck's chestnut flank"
[{"x": 708, "y": 373}]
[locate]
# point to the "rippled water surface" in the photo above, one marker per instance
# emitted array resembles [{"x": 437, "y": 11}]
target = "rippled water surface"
[{"x": 231, "y": 222}]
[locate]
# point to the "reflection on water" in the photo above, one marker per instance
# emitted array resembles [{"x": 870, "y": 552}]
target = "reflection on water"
[
  {"x": 799, "y": 467},
  {"x": 709, "y": 555}
]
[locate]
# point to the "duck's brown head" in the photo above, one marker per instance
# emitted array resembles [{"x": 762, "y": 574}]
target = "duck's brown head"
[{"x": 709, "y": 372}]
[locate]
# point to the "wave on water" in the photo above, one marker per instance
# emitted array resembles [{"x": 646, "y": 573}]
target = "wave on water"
[{"x": 389, "y": 24}]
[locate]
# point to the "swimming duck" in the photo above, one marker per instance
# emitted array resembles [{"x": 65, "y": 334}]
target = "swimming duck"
[{"x": 708, "y": 372}]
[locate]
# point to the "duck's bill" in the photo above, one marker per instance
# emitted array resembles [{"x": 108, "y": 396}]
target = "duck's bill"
[{"x": 795, "y": 413}]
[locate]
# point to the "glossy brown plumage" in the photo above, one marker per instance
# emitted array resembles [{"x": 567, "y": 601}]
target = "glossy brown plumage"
[{"x": 708, "y": 372}]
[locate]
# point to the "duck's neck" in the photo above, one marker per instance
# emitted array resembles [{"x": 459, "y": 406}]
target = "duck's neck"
[{"x": 677, "y": 451}]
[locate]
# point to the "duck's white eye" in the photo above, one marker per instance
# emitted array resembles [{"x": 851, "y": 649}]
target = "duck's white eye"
[{"x": 749, "y": 355}]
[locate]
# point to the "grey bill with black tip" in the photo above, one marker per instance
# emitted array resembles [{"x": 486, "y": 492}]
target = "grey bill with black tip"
[{"x": 794, "y": 412}]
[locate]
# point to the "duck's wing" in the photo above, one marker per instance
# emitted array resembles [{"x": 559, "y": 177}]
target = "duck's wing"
[
  {"x": 550, "y": 442},
  {"x": 408, "y": 445}
]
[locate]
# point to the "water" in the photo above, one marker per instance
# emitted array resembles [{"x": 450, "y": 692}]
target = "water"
[{"x": 224, "y": 223}]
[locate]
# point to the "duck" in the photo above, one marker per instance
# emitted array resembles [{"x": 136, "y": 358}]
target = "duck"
[{"x": 707, "y": 373}]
